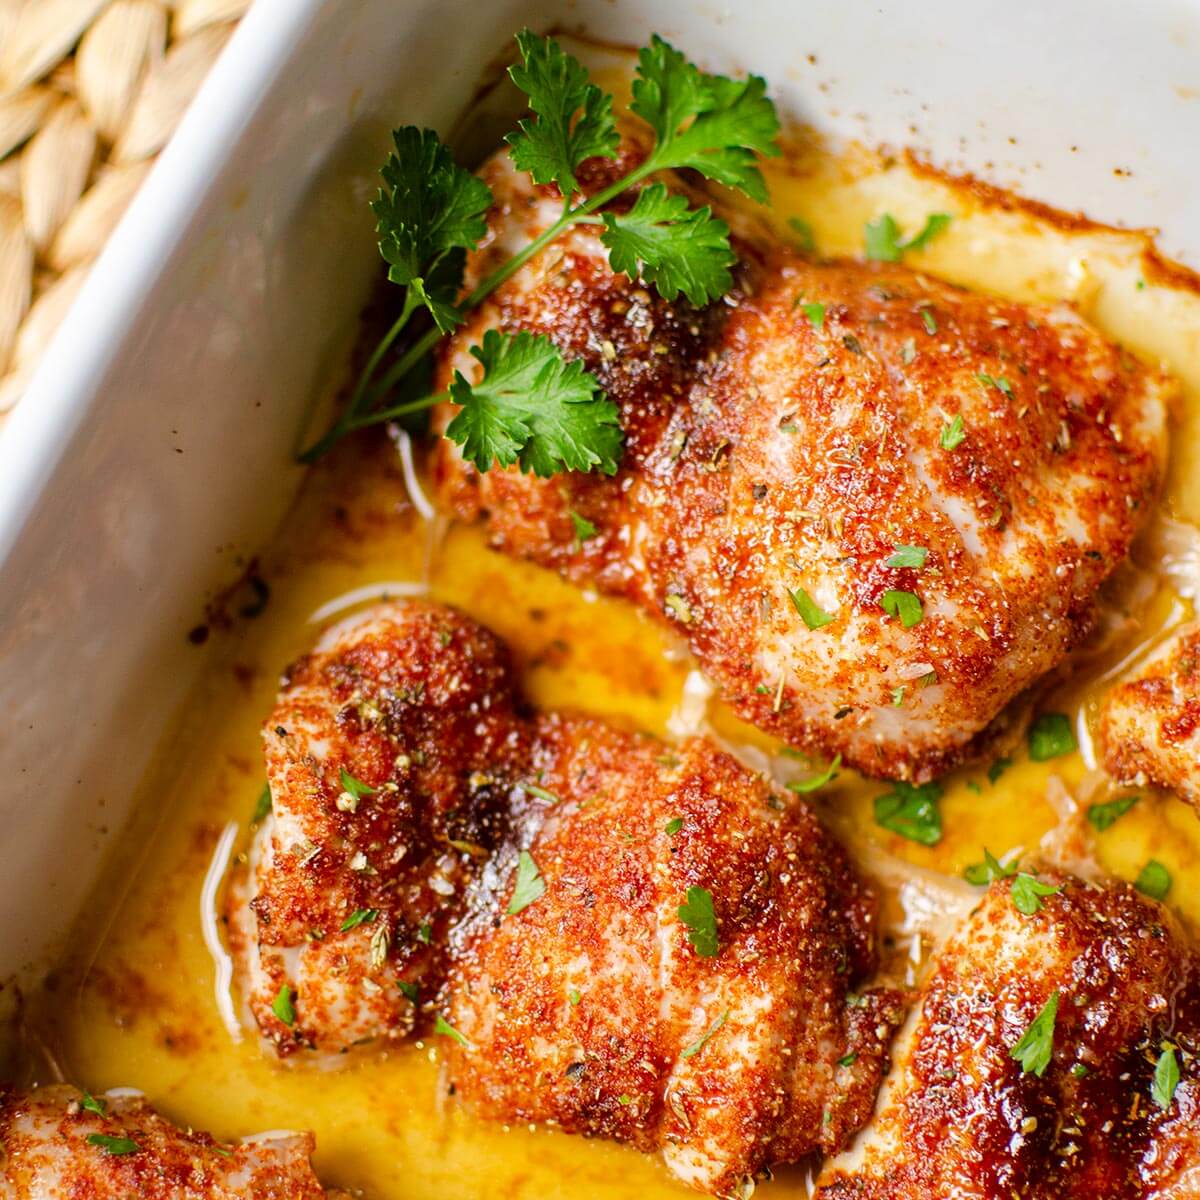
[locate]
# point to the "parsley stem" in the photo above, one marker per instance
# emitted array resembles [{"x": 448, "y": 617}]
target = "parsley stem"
[
  {"x": 375, "y": 416},
  {"x": 580, "y": 214},
  {"x": 348, "y": 418}
]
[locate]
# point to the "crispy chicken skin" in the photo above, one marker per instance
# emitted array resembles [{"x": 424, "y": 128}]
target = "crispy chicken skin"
[
  {"x": 46, "y": 1153},
  {"x": 1150, "y": 724},
  {"x": 769, "y": 451},
  {"x": 415, "y": 703},
  {"x": 958, "y": 1119},
  {"x": 587, "y": 1007}
]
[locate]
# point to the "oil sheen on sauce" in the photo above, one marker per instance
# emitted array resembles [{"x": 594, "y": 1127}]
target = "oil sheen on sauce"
[{"x": 136, "y": 1003}]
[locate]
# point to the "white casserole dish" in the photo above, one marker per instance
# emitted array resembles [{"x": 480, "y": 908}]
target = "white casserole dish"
[{"x": 152, "y": 453}]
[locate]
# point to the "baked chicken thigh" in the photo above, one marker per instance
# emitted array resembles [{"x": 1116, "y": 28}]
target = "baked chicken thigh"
[
  {"x": 615, "y": 936},
  {"x": 1150, "y": 724},
  {"x": 877, "y": 506},
  {"x": 1052, "y": 1055},
  {"x": 57, "y": 1143}
]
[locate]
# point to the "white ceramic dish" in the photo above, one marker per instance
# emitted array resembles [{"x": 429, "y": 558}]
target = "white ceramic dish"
[{"x": 153, "y": 451}]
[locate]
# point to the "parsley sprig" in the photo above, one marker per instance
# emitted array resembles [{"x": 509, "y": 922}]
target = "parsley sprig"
[{"x": 530, "y": 406}]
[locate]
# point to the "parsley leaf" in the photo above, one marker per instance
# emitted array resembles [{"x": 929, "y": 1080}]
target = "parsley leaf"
[
  {"x": 676, "y": 248},
  {"x": 952, "y": 434},
  {"x": 443, "y": 1027},
  {"x": 530, "y": 885},
  {"x": 1166, "y": 1078},
  {"x": 700, "y": 921},
  {"x": 360, "y": 916},
  {"x": 673, "y": 826},
  {"x": 1027, "y": 892},
  {"x": 905, "y": 605},
  {"x": 908, "y": 556},
  {"x": 998, "y": 768},
  {"x": 999, "y": 383},
  {"x": 552, "y": 147},
  {"x": 805, "y": 239},
  {"x": 1154, "y": 880},
  {"x": 982, "y": 873},
  {"x": 113, "y": 1145},
  {"x": 884, "y": 243},
  {"x": 815, "y": 314},
  {"x": 804, "y": 786},
  {"x": 429, "y": 213},
  {"x": 283, "y": 1005},
  {"x": 1050, "y": 736},
  {"x": 710, "y": 123},
  {"x": 535, "y": 408},
  {"x": 409, "y": 991},
  {"x": 262, "y": 806},
  {"x": 1104, "y": 816},
  {"x": 1036, "y": 1045},
  {"x": 911, "y": 811},
  {"x": 810, "y": 611},
  {"x": 354, "y": 787},
  {"x": 584, "y": 529},
  {"x": 702, "y": 1040},
  {"x": 89, "y": 1103}
]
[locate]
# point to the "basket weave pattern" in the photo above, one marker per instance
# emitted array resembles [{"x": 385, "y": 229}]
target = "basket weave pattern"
[{"x": 90, "y": 91}]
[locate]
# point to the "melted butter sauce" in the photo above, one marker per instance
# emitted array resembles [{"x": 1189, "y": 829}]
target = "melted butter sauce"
[{"x": 135, "y": 1004}]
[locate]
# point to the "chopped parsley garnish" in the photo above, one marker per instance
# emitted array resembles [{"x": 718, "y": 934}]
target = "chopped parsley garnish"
[
  {"x": 912, "y": 811},
  {"x": 1103, "y": 816},
  {"x": 354, "y": 787},
  {"x": 982, "y": 873},
  {"x": 998, "y": 382},
  {"x": 898, "y": 695},
  {"x": 409, "y": 991},
  {"x": 908, "y": 556},
  {"x": 443, "y": 1028},
  {"x": 425, "y": 933},
  {"x": 532, "y": 407},
  {"x": 262, "y": 806},
  {"x": 283, "y": 1006},
  {"x": 113, "y": 1145},
  {"x": 810, "y": 612},
  {"x": 952, "y": 434},
  {"x": 673, "y": 826},
  {"x": 1079, "y": 1070},
  {"x": 584, "y": 529},
  {"x": 817, "y": 781},
  {"x": 1027, "y": 892},
  {"x": 1050, "y": 736},
  {"x": 702, "y": 1040},
  {"x": 541, "y": 793},
  {"x": 573, "y": 997},
  {"x": 1166, "y": 1078},
  {"x": 804, "y": 235},
  {"x": 1154, "y": 880},
  {"x": 905, "y": 605},
  {"x": 884, "y": 243},
  {"x": 929, "y": 321},
  {"x": 360, "y": 916},
  {"x": 89, "y": 1103},
  {"x": 1036, "y": 1045},
  {"x": 700, "y": 920},
  {"x": 530, "y": 885},
  {"x": 998, "y": 768},
  {"x": 815, "y": 314},
  {"x": 848, "y": 1060}
]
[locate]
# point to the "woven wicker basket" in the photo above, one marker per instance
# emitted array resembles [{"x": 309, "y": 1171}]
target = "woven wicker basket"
[{"x": 90, "y": 91}]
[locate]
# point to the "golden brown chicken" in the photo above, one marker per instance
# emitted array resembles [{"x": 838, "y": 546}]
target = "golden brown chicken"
[
  {"x": 1052, "y": 1055},
  {"x": 57, "y": 1143},
  {"x": 878, "y": 507},
  {"x": 1150, "y": 724},
  {"x": 614, "y": 935}
]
